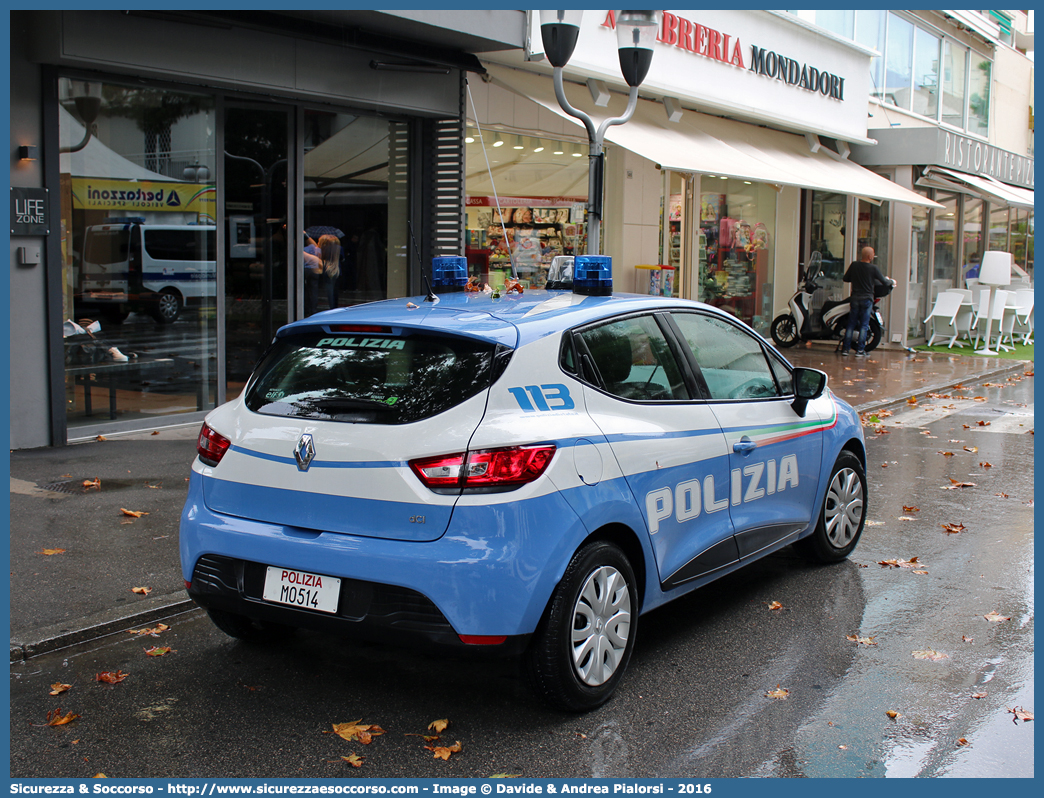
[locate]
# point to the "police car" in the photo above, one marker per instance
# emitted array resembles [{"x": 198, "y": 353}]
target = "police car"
[{"x": 525, "y": 474}]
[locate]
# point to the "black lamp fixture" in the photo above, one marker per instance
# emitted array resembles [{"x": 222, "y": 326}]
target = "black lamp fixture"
[
  {"x": 636, "y": 33},
  {"x": 27, "y": 152}
]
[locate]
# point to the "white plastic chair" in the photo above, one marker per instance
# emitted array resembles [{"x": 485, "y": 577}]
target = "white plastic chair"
[
  {"x": 972, "y": 283},
  {"x": 1024, "y": 314},
  {"x": 1002, "y": 313},
  {"x": 943, "y": 318},
  {"x": 965, "y": 315}
]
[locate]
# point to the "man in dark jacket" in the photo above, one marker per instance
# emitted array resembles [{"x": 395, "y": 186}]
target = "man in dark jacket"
[{"x": 863, "y": 275}]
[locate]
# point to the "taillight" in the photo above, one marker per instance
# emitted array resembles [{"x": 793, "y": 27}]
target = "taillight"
[
  {"x": 487, "y": 468},
  {"x": 211, "y": 446}
]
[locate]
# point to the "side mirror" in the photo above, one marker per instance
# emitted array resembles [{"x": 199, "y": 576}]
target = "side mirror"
[{"x": 809, "y": 384}]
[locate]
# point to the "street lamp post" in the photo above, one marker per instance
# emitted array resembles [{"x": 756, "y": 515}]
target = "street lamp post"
[{"x": 636, "y": 32}]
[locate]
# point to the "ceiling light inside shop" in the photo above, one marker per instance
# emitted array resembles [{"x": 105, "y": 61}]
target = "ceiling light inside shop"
[
  {"x": 559, "y": 148},
  {"x": 539, "y": 146},
  {"x": 498, "y": 141},
  {"x": 470, "y": 138},
  {"x": 519, "y": 144},
  {"x": 576, "y": 150}
]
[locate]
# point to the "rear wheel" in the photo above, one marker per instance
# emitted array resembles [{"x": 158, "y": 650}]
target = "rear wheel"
[
  {"x": 873, "y": 335},
  {"x": 784, "y": 330},
  {"x": 584, "y": 642},
  {"x": 844, "y": 512},
  {"x": 244, "y": 628},
  {"x": 167, "y": 307}
]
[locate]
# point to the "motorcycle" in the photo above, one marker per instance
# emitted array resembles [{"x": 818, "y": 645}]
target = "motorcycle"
[{"x": 795, "y": 326}]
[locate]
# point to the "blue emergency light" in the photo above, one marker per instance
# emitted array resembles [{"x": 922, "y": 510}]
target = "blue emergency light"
[
  {"x": 593, "y": 275},
  {"x": 449, "y": 273}
]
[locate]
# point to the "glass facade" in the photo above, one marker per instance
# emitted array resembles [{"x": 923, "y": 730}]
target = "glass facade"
[
  {"x": 736, "y": 246},
  {"x": 138, "y": 225},
  {"x": 979, "y": 95},
  {"x": 926, "y": 74},
  {"x": 920, "y": 262},
  {"x": 954, "y": 77},
  {"x": 944, "y": 244},
  {"x": 899, "y": 61}
]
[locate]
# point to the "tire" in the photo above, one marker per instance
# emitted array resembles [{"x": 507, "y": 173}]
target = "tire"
[
  {"x": 167, "y": 307},
  {"x": 581, "y": 649},
  {"x": 843, "y": 514},
  {"x": 243, "y": 628},
  {"x": 784, "y": 331},
  {"x": 873, "y": 335}
]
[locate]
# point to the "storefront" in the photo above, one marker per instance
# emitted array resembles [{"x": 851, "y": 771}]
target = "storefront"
[
  {"x": 187, "y": 188},
  {"x": 986, "y": 199},
  {"x": 720, "y": 190}
]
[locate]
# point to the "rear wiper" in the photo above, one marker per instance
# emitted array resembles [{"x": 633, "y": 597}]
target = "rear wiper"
[{"x": 346, "y": 405}]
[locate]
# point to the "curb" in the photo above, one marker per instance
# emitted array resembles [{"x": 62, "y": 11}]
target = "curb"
[
  {"x": 93, "y": 627},
  {"x": 1015, "y": 365}
]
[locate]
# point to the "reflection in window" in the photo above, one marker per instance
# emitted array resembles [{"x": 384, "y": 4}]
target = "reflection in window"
[
  {"x": 979, "y": 96},
  {"x": 870, "y": 31},
  {"x": 1022, "y": 238},
  {"x": 945, "y": 238},
  {"x": 926, "y": 74},
  {"x": 919, "y": 260},
  {"x": 899, "y": 59},
  {"x": 731, "y": 360},
  {"x": 954, "y": 74},
  {"x": 633, "y": 360},
  {"x": 138, "y": 214},
  {"x": 839, "y": 22}
]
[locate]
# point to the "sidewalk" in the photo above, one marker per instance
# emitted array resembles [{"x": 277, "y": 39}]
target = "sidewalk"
[{"x": 86, "y": 592}]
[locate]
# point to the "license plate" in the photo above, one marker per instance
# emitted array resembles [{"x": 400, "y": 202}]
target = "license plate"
[
  {"x": 111, "y": 296},
  {"x": 302, "y": 589}
]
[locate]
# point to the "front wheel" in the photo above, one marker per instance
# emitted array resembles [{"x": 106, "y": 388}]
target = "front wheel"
[
  {"x": 168, "y": 306},
  {"x": 784, "y": 331},
  {"x": 844, "y": 512},
  {"x": 584, "y": 642}
]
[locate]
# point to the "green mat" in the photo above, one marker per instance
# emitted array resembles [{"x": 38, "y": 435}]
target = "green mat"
[{"x": 1021, "y": 351}]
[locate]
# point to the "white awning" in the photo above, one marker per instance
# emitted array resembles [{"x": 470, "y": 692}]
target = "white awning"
[
  {"x": 980, "y": 185},
  {"x": 706, "y": 144}
]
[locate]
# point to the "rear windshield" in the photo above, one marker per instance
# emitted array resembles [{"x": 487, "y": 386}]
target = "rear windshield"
[
  {"x": 368, "y": 378},
  {"x": 106, "y": 247}
]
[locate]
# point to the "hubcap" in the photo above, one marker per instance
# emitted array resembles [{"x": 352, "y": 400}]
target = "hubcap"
[
  {"x": 168, "y": 305},
  {"x": 601, "y": 624},
  {"x": 844, "y": 508}
]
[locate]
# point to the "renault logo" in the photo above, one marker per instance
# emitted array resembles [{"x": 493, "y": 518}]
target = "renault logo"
[{"x": 305, "y": 452}]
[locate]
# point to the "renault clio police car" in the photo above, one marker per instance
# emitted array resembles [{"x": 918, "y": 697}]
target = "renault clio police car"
[{"x": 524, "y": 474}]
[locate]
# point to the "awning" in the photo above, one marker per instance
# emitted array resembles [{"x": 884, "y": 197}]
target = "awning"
[
  {"x": 981, "y": 185},
  {"x": 712, "y": 145}
]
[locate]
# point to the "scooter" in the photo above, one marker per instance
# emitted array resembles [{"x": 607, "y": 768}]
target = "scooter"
[{"x": 790, "y": 328}]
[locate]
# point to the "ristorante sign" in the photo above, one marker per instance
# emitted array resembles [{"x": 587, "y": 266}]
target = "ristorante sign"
[{"x": 726, "y": 47}]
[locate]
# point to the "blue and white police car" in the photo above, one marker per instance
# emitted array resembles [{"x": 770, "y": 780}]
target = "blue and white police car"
[{"x": 525, "y": 474}]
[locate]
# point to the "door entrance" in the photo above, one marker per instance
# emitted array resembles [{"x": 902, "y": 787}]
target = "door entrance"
[{"x": 258, "y": 242}]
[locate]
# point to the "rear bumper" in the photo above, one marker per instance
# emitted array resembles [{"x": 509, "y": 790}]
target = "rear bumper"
[{"x": 366, "y": 610}]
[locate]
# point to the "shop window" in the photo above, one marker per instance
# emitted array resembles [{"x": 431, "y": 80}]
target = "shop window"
[
  {"x": 138, "y": 215},
  {"x": 926, "y": 74},
  {"x": 972, "y": 241},
  {"x": 944, "y": 238},
  {"x": 920, "y": 260},
  {"x": 828, "y": 236},
  {"x": 954, "y": 76},
  {"x": 736, "y": 241},
  {"x": 999, "y": 229},
  {"x": 1021, "y": 238},
  {"x": 541, "y": 187}
]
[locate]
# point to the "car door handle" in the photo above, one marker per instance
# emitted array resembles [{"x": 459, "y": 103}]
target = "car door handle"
[{"x": 744, "y": 445}]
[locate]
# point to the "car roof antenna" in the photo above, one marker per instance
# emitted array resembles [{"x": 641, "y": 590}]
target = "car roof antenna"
[{"x": 431, "y": 297}]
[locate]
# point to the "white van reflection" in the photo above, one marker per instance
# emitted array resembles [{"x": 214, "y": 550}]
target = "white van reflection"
[{"x": 160, "y": 269}]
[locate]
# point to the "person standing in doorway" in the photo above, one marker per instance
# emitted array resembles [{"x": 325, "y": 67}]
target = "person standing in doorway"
[
  {"x": 863, "y": 275},
  {"x": 313, "y": 267}
]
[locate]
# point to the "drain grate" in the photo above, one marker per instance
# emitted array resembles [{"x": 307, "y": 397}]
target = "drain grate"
[{"x": 66, "y": 486}]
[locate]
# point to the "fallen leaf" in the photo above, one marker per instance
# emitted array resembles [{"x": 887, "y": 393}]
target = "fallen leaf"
[
  {"x": 953, "y": 529},
  {"x": 101, "y": 438},
  {"x": 438, "y": 726},
  {"x": 1028, "y": 373},
  {"x": 100, "y": 776},
  {"x": 967, "y": 639},
  {"x": 912, "y": 400},
  {"x": 111, "y": 677},
  {"x": 865, "y": 641},
  {"x": 893, "y": 714},
  {"x": 972, "y": 449},
  {"x": 354, "y": 760},
  {"x": 133, "y": 513},
  {"x": 56, "y": 718},
  {"x": 922, "y": 573},
  {"x": 156, "y": 432},
  {"x": 58, "y": 688},
  {"x": 141, "y": 591},
  {"x": 965, "y": 426},
  {"x": 956, "y": 483},
  {"x": 882, "y": 431},
  {"x": 913, "y": 562},
  {"x": 946, "y": 454},
  {"x": 158, "y": 651},
  {"x": 775, "y": 605},
  {"x": 411, "y": 306},
  {"x": 884, "y": 465},
  {"x": 907, "y": 509},
  {"x": 89, "y": 484},
  {"x": 978, "y": 695},
  {"x": 779, "y": 692},
  {"x": 154, "y": 631},
  {"x": 961, "y": 741},
  {"x": 1002, "y": 495},
  {"x": 996, "y": 617},
  {"x": 443, "y": 751},
  {"x": 843, "y": 747},
  {"x": 930, "y": 654},
  {"x": 985, "y": 423},
  {"x": 907, "y": 518},
  {"x": 980, "y": 398},
  {"x": 1020, "y": 714},
  {"x": 985, "y": 464},
  {"x": 53, "y": 551},
  {"x": 357, "y": 730}
]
